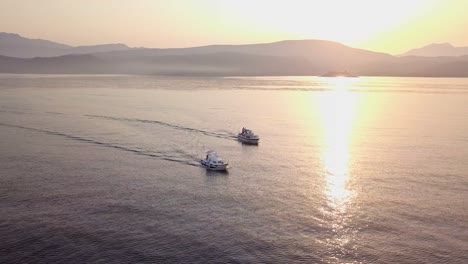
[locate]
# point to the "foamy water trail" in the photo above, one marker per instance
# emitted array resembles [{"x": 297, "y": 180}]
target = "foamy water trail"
[
  {"x": 225, "y": 135},
  {"x": 178, "y": 155}
]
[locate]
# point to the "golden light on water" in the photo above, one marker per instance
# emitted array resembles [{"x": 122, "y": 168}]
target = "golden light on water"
[
  {"x": 337, "y": 118},
  {"x": 338, "y": 109}
]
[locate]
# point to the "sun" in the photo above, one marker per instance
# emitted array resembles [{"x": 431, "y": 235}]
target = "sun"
[{"x": 348, "y": 22}]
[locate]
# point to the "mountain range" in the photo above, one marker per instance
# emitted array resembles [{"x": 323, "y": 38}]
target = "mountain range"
[
  {"x": 438, "y": 50},
  {"x": 14, "y": 45},
  {"x": 290, "y": 57}
]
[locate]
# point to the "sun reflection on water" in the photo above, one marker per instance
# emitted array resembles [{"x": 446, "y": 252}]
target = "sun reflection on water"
[{"x": 337, "y": 112}]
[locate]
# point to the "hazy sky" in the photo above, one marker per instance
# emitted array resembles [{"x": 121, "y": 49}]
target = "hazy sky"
[{"x": 391, "y": 26}]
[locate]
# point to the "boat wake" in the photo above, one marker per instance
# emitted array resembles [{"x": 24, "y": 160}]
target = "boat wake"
[
  {"x": 14, "y": 112},
  {"x": 178, "y": 155},
  {"x": 225, "y": 135}
]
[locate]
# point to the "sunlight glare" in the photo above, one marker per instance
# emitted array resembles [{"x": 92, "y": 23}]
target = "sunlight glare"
[
  {"x": 348, "y": 22},
  {"x": 338, "y": 111}
]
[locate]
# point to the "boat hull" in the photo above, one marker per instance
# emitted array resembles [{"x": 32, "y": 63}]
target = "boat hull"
[
  {"x": 252, "y": 141},
  {"x": 217, "y": 167}
]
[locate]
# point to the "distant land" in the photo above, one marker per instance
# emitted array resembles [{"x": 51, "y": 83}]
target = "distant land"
[
  {"x": 14, "y": 45},
  {"x": 438, "y": 50},
  {"x": 289, "y": 57},
  {"x": 338, "y": 74}
]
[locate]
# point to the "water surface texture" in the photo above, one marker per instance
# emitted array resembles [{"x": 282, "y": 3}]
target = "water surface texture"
[{"x": 349, "y": 170}]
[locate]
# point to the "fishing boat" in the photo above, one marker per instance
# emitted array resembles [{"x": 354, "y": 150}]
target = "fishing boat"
[
  {"x": 248, "y": 136},
  {"x": 213, "y": 162}
]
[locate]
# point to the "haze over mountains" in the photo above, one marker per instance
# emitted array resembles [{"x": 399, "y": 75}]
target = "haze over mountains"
[
  {"x": 291, "y": 57},
  {"x": 14, "y": 45},
  {"x": 438, "y": 50}
]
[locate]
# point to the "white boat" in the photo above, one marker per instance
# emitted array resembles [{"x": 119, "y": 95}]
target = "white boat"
[
  {"x": 248, "y": 136},
  {"x": 213, "y": 162}
]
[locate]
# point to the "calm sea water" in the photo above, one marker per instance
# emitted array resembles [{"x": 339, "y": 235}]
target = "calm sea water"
[{"x": 105, "y": 169}]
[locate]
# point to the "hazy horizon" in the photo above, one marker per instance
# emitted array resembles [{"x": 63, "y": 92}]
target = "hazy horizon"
[
  {"x": 163, "y": 24},
  {"x": 175, "y": 47},
  {"x": 356, "y": 152}
]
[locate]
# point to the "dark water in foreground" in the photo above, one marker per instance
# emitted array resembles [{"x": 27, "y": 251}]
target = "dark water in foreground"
[{"x": 104, "y": 169}]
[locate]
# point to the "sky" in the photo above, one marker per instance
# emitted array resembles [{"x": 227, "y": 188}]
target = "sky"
[{"x": 391, "y": 26}]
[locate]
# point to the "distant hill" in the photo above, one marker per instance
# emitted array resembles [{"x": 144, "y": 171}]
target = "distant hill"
[
  {"x": 61, "y": 64},
  {"x": 290, "y": 57},
  {"x": 325, "y": 54},
  {"x": 415, "y": 66},
  {"x": 14, "y": 45},
  {"x": 211, "y": 64},
  {"x": 97, "y": 48},
  {"x": 294, "y": 57},
  {"x": 438, "y": 50}
]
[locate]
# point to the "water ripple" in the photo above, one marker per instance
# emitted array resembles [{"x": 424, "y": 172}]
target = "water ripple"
[
  {"x": 184, "y": 158},
  {"x": 225, "y": 135}
]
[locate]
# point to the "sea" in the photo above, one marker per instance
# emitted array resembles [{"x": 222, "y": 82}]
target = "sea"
[{"x": 105, "y": 169}]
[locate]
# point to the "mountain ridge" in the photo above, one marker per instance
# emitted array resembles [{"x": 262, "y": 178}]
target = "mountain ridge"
[
  {"x": 287, "y": 57},
  {"x": 437, "y": 50},
  {"x": 15, "y": 45}
]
